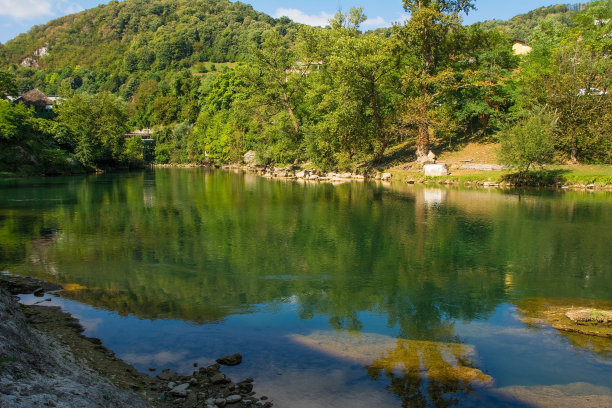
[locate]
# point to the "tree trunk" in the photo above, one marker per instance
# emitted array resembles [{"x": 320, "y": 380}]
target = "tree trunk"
[
  {"x": 382, "y": 137},
  {"x": 422, "y": 141},
  {"x": 291, "y": 115}
]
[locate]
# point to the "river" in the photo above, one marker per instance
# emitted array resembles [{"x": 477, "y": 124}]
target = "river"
[{"x": 360, "y": 294}]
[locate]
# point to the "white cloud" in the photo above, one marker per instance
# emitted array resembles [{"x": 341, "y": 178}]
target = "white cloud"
[
  {"x": 375, "y": 22},
  {"x": 25, "y": 9},
  {"x": 299, "y": 16},
  {"x": 72, "y": 8}
]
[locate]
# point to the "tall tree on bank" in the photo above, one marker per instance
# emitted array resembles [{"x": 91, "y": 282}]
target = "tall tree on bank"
[
  {"x": 428, "y": 40},
  {"x": 351, "y": 99}
]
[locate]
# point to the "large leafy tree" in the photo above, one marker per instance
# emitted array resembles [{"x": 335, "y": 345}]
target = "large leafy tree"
[
  {"x": 352, "y": 97},
  {"x": 98, "y": 123},
  {"x": 429, "y": 43},
  {"x": 569, "y": 74}
]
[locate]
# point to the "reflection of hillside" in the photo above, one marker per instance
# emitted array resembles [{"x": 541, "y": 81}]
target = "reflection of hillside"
[
  {"x": 201, "y": 245},
  {"x": 422, "y": 373}
]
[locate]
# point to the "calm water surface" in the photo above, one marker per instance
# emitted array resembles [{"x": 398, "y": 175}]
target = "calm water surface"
[{"x": 353, "y": 295}]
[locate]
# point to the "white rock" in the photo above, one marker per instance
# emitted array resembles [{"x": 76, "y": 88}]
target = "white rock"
[
  {"x": 386, "y": 177},
  {"x": 435, "y": 170},
  {"x": 180, "y": 390},
  {"x": 232, "y": 399}
]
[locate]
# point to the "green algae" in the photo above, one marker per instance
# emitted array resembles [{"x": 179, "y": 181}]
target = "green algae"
[{"x": 584, "y": 322}]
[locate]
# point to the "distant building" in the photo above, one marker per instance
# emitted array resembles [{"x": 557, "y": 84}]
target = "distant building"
[
  {"x": 305, "y": 67},
  {"x": 520, "y": 47},
  {"x": 144, "y": 134},
  {"x": 37, "y": 99}
]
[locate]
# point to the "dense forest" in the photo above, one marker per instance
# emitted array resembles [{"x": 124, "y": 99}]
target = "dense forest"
[{"x": 215, "y": 79}]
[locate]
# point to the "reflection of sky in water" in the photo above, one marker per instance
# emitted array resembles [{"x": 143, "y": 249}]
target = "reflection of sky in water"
[
  {"x": 276, "y": 268},
  {"x": 283, "y": 368}
]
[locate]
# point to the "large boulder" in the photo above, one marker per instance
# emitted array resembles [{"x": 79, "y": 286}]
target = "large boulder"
[
  {"x": 429, "y": 159},
  {"x": 250, "y": 158},
  {"x": 435, "y": 170}
]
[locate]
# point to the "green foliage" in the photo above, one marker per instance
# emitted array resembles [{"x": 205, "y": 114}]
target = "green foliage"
[
  {"x": 8, "y": 86},
  {"x": 528, "y": 142},
  {"x": 98, "y": 123},
  {"x": 214, "y": 79},
  {"x": 569, "y": 72},
  {"x": 523, "y": 25},
  {"x": 133, "y": 153}
]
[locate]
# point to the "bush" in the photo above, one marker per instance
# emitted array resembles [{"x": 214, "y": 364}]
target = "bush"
[{"x": 528, "y": 142}]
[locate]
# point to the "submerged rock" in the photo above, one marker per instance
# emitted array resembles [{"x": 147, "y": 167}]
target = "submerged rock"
[
  {"x": 590, "y": 316},
  {"x": 231, "y": 360},
  {"x": 584, "y": 322}
]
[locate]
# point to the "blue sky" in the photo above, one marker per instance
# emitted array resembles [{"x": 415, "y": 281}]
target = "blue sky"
[{"x": 17, "y": 16}]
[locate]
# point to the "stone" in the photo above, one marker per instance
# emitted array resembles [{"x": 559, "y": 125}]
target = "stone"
[
  {"x": 171, "y": 384},
  {"x": 231, "y": 360},
  {"x": 482, "y": 167},
  {"x": 220, "y": 402},
  {"x": 435, "y": 170},
  {"x": 39, "y": 292},
  {"x": 345, "y": 175},
  {"x": 250, "y": 158},
  {"x": 313, "y": 177},
  {"x": 167, "y": 375},
  {"x": 245, "y": 386},
  {"x": 217, "y": 378},
  {"x": 386, "y": 177},
  {"x": 180, "y": 390},
  {"x": 429, "y": 159},
  {"x": 232, "y": 399}
]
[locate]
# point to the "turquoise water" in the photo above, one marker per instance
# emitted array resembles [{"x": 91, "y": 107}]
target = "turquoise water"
[{"x": 351, "y": 295}]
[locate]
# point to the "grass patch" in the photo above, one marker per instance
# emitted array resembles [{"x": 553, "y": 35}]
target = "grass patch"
[{"x": 7, "y": 360}]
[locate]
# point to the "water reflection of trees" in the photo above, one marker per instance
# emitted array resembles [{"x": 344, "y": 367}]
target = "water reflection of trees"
[
  {"x": 421, "y": 373},
  {"x": 200, "y": 246}
]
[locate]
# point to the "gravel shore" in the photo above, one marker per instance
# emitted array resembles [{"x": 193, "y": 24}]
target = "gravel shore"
[{"x": 45, "y": 360}]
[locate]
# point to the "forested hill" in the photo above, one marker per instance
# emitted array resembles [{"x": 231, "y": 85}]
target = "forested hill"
[
  {"x": 132, "y": 34},
  {"x": 522, "y": 25},
  {"x": 215, "y": 79}
]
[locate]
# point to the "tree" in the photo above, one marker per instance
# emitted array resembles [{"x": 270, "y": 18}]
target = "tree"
[
  {"x": 276, "y": 79},
  {"x": 529, "y": 141},
  {"x": 428, "y": 39},
  {"x": 569, "y": 73},
  {"x": 8, "y": 86},
  {"x": 98, "y": 123},
  {"x": 353, "y": 96}
]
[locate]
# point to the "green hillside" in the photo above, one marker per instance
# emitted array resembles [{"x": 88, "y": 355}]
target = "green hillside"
[
  {"x": 522, "y": 25},
  {"x": 214, "y": 79},
  {"x": 102, "y": 47}
]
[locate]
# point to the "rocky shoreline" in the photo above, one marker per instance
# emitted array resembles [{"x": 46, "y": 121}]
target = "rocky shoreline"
[
  {"x": 45, "y": 360},
  {"x": 297, "y": 173}
]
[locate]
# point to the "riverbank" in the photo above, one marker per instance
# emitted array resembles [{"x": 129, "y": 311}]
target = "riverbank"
[{"x": 45, "y": 360}]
